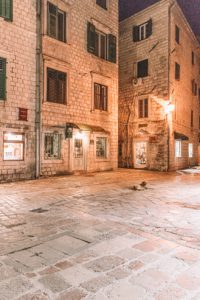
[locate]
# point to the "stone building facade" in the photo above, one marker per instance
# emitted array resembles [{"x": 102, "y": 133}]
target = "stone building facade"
[
  {"x": 79, "y": 86},
  {"x": 159, "y": 87},
  {"x": 17, "y": 89},
  {"x": 58, "y": 87}
]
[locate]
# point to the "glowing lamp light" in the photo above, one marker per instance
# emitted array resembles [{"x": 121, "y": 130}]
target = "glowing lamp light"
[{"x": 169, "y": 107}]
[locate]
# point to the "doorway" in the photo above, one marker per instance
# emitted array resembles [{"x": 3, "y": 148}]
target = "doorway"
[
  {"x": 78, "y": 154},
  {"x": 140, "y": 155}
]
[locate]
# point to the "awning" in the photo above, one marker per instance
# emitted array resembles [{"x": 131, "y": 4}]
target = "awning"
[
  {"x": 84, "y": 127},
  {"x": 180, "y": 136}
]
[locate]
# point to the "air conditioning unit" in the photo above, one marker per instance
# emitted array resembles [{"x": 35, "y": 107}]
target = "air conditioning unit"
[{"x": 137, "y": 81}]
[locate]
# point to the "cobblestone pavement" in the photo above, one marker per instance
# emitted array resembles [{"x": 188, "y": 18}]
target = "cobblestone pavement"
[{"x": 101, "y": 236}]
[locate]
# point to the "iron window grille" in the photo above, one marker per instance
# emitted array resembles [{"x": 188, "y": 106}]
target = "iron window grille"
[
  {"x": 52, "y": 146},
  {"x": 101, "y": 147}
]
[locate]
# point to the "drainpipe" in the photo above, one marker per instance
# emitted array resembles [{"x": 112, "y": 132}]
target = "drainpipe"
[
  {"x": 169, "y": 84},
  {"x": 38, "y": 89}
]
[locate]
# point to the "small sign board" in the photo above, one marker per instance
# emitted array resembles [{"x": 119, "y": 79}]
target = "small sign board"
[{"x": 23, "y": 114}]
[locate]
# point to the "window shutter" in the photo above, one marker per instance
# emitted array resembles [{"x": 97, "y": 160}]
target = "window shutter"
[
  {"x": 149, "y": 28},
  {"x": 142, "y": 68},
  {"x": 135, "y": 33},
  {"x": 61, "y": 26},
  {"x": 112, "y": 48},
  {"x": 140, "y": 111},
  {"x": 52, "y": 20},
  {"x": 2, "y": 78},
  {"x": 1, "y": 12},
  {"x": 91, "y": 38},
  {"x": 146, "y": 108},
  {"x": 8, "y": 10}
]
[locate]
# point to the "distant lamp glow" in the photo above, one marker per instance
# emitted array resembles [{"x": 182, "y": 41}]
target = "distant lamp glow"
[{"x": 169, "y": 107}]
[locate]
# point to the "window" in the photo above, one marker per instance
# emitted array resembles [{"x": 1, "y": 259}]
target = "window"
[
  {"x": 6, "y": 9},
  {"x": 142, "y": 68},
  {"x": 101, "y": 44},
  {"x": 100, "y": 97},
  {"x": 192, "y": 118},
  {"x": 193, "y": 58},
  {"x": 102, "y": 3},
  {"x": 178, "y": 149},
  {"x": 190, "y": 150},
  {"x": 56, "y": 26},
  {"x": 143, "y": 31},
  {"x": 177, "y": 34},
  {"x": 56, "y": 86},
  {"x": 52, "y": 146},
  {"x": 101, "y": 147},
  {"x": 177, "y": 71},
  {"x": 143, "y": 110},
  {"x": 194, "y": 87},
  {"x": 2, "y": 78},
  {"x": 13, "y": 146}
]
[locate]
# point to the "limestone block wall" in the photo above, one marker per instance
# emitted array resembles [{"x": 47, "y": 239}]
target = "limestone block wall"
[
  {"x": 83, "y": 69},
  {"x": 154, "y": 87},
  {"x": 181, "y": 91},
  {"x": 18, "y": 46}
]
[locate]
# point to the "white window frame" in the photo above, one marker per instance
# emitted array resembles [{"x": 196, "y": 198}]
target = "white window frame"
[
  {"x": 100, "y": 33},
  {"x": 12, "y": 139},
  {"x": 190, "y": 150},
  {"x": 143, "y": 31},
  {"x": 178, "y": 148}
]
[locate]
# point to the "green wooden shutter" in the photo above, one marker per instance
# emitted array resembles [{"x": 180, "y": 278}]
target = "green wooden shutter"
[
  {"x": 91, "y": 38},
  {"x": 2, "y": 78},
  {"x": 135, "y": 33},
  {"x": 9, "y": 10},
  {"x": 52, "y": 20},
  {"x": 112, "y": 48},
  {"x": 149, "y": 28},
  {"x": 1, "y": 13}
]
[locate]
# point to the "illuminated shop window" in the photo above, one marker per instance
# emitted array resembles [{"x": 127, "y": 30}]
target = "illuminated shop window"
[
  {"x": 13, "y": 146},
  {"x": 52, "y": 146},
  {"x": 190, "y": 150},
  {"x": 101, "y": 147},
  {"x": 178, "y": 150}
]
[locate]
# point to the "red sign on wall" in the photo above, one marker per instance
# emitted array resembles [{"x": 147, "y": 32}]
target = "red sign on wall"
[{"x": 23, "y": 114}]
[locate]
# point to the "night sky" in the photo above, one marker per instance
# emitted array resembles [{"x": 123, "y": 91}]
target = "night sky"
[{"x": 191, "y": 9}]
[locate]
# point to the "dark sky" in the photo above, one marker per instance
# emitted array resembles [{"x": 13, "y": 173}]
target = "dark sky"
[{"x": 191, "y": 9}]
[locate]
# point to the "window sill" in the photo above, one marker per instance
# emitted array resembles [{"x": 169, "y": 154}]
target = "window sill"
[
  {"x": 102, "y": 59},
  {"x": 52, "y": 161},
  {"x": 103, "y": 112},
  {"x": 101, "y": 7},
  {"x": 54, "y": 103},
  {"x": 102, "y": 160},
  {"x": 51, "y": 38}
]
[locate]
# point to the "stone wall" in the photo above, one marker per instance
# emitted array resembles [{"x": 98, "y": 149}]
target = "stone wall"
[
  {"x": 154, "y": 87},
  {"x": 83, "y": 69},
  {"x": 181, "y": 91},
  {"x": 159, "y": 87},
  {"x": 18, "y": 45}
]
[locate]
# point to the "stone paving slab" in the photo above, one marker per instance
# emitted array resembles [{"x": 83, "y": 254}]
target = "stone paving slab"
[{"x": 69, "y": 238}]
